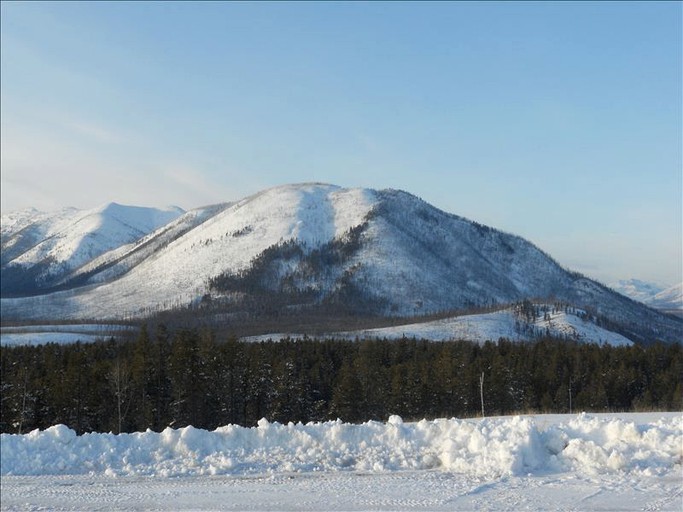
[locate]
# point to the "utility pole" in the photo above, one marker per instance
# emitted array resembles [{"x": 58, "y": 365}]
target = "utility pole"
[
  {"x": 481, "y": 391},
  {"x": 570, "y": 395}
]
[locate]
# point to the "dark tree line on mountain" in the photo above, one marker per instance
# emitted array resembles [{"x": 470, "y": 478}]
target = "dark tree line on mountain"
[
  {"x": 287, "y": 274},
  {"x": 188, "y": 377}
]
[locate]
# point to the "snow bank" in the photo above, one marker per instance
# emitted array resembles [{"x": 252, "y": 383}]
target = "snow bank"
[{"x": 486, "y": 448}]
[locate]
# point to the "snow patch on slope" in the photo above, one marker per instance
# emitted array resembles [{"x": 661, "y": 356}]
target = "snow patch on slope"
[
  {"x": 120, "y": 260},
  {"x": 13, "y": 222},
  {"x": 428, "y": 260}
]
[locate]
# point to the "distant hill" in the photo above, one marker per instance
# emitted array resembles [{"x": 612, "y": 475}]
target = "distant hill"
[
  {"x": 665, "y": 299},
  {"x": 514, "y": 323},
  {"x": 40, "y": 249},
  {"x": 670, "y": 299}
]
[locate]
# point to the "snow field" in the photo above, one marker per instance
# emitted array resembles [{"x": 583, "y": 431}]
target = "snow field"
[
  {"x": 61, "y": 334},
  {"x": 489, "y": 448},
  {"x": 480, "y": 328},
  {"x": 43, "y": 338}
]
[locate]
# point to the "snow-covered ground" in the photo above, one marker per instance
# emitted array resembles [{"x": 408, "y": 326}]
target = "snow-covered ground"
[
  {"x": 483, "y": 327},
  {"x": 71, "y": 237},
  {"x": 62, "y": 334},
  {"x": 553, "y": 462},
  {"x": 478, "y": 328}
]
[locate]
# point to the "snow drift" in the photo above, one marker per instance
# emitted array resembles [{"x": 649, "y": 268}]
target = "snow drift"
[{"x": 488, "y": 448}]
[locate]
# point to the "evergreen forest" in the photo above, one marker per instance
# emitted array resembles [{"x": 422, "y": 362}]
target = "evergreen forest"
[{"x": 186, "y": 377}]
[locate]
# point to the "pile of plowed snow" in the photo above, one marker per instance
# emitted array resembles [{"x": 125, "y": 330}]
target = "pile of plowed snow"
[{"x": 491, "y": 447}]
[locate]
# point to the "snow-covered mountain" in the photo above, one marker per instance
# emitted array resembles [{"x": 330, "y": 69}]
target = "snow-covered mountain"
[
  {"x": 670, "y": 299},
  {"x": 642, "y": 291},
  {"x": 289, "y": 248},
  {"x": 46, "y": 247},
  {"x": 665, "y": 299}
]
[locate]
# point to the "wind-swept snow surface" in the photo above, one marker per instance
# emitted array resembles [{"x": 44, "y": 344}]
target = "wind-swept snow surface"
[{"x": 545, "y": 462}]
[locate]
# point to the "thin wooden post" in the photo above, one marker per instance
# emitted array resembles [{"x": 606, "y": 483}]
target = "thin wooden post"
[
  {"x": 570, "y": 395},
  {"x": 481, "y": 391}
]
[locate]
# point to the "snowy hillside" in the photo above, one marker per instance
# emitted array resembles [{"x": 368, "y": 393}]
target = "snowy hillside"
[
  {"x": 642, "y": 291},
  {"x": 53, "y": 244},
  {"x": 664, "y": 299},
  {"x": 226, "y": 241},
  {"x": 116, "y": 262},
  {"x": 22, "y": 230},
  {"x": 670, "y": 299},
  {"x": 508, "y": 323},
  {"x": 384, "y": 253}
]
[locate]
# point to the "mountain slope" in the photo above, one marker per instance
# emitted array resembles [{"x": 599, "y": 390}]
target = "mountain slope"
[
  {"x": 670, "y": 299},
  {"x": 642, "y": 291},
  {"x": 664, "y": 299},
  {"x": 509, "y": 323},
  {"x": 308, "y": 246},
  {"x": 225, "y": 240},
  {"x": 47, "y": 247}
]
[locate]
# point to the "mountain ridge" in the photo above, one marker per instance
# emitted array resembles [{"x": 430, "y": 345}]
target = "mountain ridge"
[
  {"x": 668, "y": 299},
  {"x": 383, "y": 252},
  {"x": 49, "y": 246}
]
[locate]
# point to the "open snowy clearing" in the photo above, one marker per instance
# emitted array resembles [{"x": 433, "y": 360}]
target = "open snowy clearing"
[
  {"x": 547, "y": 462},
  {"x": 62, "y": 334},
  {"x": 481, "y": 328}
]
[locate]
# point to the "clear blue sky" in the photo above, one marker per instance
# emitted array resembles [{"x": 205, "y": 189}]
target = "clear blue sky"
[{"x": 560, "y": 122}]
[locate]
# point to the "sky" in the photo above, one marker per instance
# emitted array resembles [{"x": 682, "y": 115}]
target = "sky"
[{"x": 559, "y": 122}]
